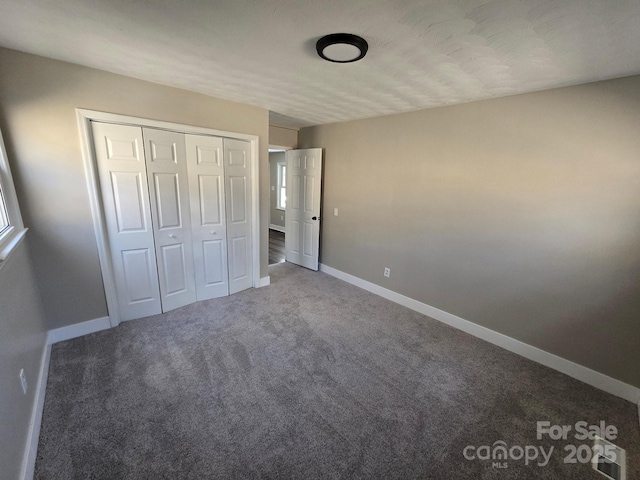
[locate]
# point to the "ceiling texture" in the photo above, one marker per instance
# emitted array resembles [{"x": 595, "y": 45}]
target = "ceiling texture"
[{"x": 422, "y": 53}]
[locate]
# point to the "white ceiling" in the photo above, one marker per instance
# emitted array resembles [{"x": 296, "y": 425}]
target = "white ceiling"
[{"x": 421, "y": 53}]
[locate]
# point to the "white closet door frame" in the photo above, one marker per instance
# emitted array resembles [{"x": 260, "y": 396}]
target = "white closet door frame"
[{"x": 84, "y": 118}]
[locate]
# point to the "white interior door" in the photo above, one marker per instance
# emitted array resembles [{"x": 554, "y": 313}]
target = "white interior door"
[
  {"x": 302, "y": 213},
  {"x": 205, "y": 167},
  {"x": 125, "y": 198},
  {"x": 237, "y": 170},
  {"x": 169, "y": 199}
]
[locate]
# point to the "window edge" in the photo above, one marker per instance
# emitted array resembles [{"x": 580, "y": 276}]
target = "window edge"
[{"x": 9, "y": 241}]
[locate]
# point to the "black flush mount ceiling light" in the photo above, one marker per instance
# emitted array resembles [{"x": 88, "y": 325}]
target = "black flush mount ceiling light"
[{"x": 342, "y": 47}]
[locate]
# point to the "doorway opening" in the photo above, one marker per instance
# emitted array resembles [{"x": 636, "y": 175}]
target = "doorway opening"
[
  {"x": 276, "y": 247},
  {"x": 295, "y": 177},
  {"x": 277, "y": 204}
]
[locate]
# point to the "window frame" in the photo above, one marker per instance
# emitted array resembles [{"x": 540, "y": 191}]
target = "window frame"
[
  {"x": 13, "y": 232},
  {"x": 4, "y": 215},
  {"x": 281, "y": 184}
]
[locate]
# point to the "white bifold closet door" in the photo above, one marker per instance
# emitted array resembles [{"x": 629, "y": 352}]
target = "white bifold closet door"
[
  {"x": 178, "y": 215},
  {"x": 169, "y": 198},
  {"x": 237, "y": 155},
  {"x": 208, "y": 223},
  {"x": 220, "y": 186},
  {"x": 125, "y": 197}
]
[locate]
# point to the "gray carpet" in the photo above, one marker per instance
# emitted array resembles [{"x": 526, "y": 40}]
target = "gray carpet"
[{"x": 307, "y": 378}]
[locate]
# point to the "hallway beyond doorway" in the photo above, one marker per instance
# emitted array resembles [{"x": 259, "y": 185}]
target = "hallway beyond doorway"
[{"x": 276, "y": 247}]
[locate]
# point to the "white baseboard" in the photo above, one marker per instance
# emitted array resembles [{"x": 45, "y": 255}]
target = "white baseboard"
[
  {"x": 277, "y": 228},
  {"x": 265, "y": 281},
  {"x": 584, "y": 374},
  {"x": 29, "y": 460},
  {"x": 78, "y": 329},
  {"x": 53, "y": 336}
]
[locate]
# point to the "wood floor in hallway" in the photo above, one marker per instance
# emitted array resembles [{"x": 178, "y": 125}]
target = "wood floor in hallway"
[{"x": 276, "y": 247}]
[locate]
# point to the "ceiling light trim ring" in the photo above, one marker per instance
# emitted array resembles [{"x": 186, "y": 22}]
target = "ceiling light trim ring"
[{"x": 342, "y": 39}]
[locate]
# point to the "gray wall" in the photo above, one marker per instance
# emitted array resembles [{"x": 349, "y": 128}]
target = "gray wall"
[
  {"x": 283, "y": 137},
  {"x": 38, "y": 98},
  {"x": 276, "y": 215},
  {"x": 22, "y": 345},
  {"x": 521, "y": 214}
]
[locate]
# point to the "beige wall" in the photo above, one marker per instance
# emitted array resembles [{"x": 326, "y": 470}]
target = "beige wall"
[
  {"x": 276, "y": 215},
  {"x": 22, "y": 343},
  {"x": 38, "y": 98},
  {"x": 283, "y": 137},
  {"x": 521, "y": 214}
]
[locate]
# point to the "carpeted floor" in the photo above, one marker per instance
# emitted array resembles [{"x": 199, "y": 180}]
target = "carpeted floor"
[{"x": 307, "y": 378}]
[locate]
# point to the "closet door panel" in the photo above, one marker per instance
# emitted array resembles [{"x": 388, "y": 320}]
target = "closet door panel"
[
  {"x": 210, "y": 199},
  {"x": 169, "y": 193},
  {"x": 139, "y": 275},
  {"x": 125, "y": 197},
  {"x": 168, "y": 208},
  {"x": 237, "y": 154},
  {"x": 175, "y": 273},
  {"x": 208, "y": 219},
  {"x": 214, "y": 254},
  {"x": 129, "y": 192}
]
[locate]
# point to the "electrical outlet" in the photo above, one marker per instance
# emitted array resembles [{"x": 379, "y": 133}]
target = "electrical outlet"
[
  {"x": 609, "y": 459},
  {"x": 281, "y": 217},
  {"x": 23, "y": 381},
  {"x": 387, "y": 272}
]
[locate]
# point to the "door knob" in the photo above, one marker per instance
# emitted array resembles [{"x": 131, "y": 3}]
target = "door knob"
[
  {"x": 213, "y": 232},
  {"x": 171, "y": 235},
  {"x": 315, "y": 218}
]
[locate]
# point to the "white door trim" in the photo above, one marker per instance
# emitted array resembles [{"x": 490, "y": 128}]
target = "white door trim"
[{"x": 84, "y": 118}]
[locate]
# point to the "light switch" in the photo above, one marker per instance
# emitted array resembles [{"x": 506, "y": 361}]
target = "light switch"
[{"x": 335, "y": 212}]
